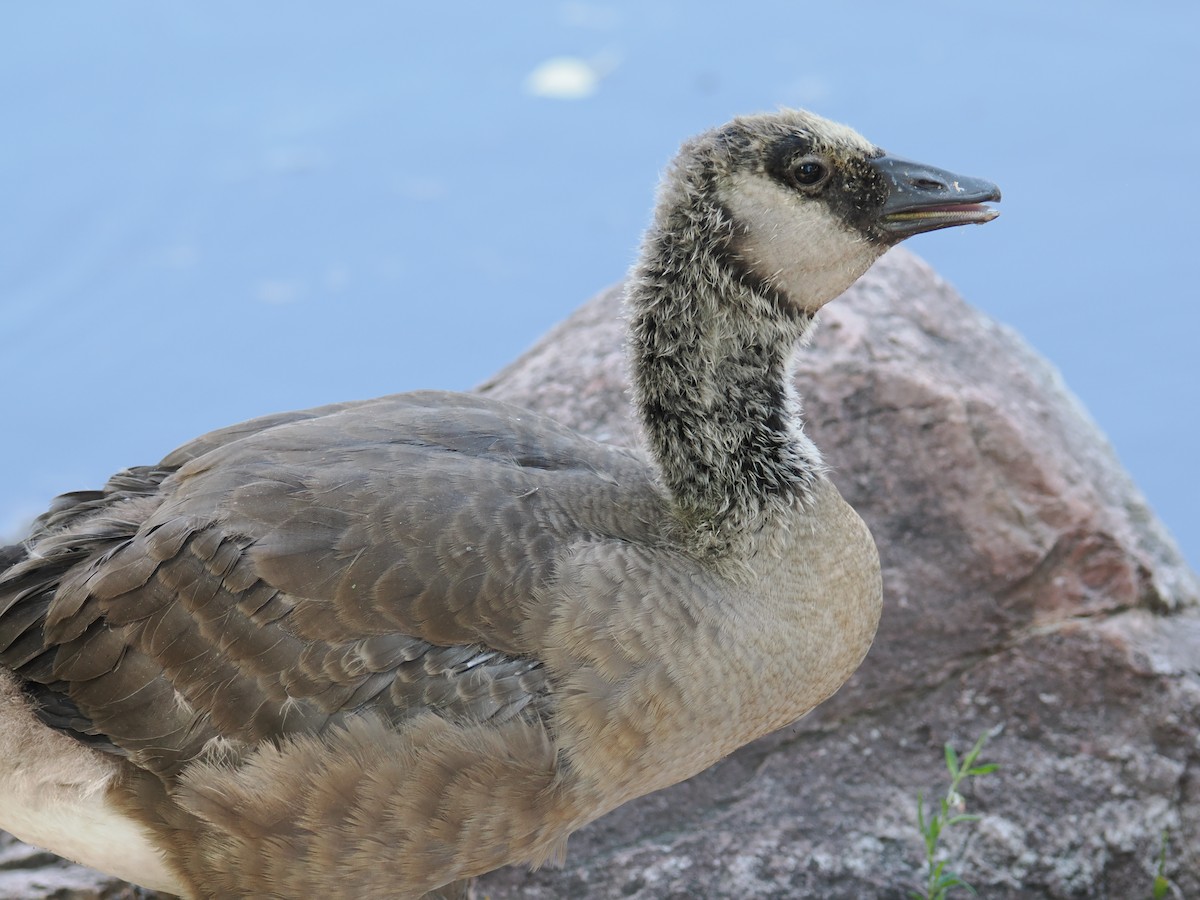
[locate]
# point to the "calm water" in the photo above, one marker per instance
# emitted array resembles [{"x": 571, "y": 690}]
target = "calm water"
[{"x": 216, "y": 210}]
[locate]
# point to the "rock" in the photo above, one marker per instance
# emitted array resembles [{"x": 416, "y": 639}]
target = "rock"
[{"x": 1028, "y": 591}]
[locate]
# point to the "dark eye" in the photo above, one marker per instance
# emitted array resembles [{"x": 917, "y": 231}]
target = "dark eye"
[{"x": 809, "y": 172}]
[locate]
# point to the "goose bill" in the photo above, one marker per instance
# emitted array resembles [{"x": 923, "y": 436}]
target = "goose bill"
[{"x": 924, "y": 198}]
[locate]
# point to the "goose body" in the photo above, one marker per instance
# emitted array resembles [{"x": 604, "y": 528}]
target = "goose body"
[{"x": 378, "y": 648}]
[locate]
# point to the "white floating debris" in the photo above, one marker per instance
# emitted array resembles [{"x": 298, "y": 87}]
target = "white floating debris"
[{"x": 563, "y": 78}]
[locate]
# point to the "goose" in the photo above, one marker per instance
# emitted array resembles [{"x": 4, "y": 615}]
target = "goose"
[{"x": 378, "y": 648}]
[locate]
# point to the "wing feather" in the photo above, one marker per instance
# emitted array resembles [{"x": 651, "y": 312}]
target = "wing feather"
[{"x": 393, "y": 556}]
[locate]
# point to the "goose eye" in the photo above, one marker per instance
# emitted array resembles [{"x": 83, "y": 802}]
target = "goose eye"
[{"x": 809, "y": 172}]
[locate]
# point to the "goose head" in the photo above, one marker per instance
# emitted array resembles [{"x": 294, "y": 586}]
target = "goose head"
[
  {"x": 759, "y": 223},
  {"x": 809, "y": 204}
]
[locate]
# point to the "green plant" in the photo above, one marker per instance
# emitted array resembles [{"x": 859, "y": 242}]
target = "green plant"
[
  {"x": 938, "y": 881},
  {"x": 1161, "y": 884}
]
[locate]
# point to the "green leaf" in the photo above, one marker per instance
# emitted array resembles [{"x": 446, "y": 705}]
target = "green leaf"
[
  {"x": 983, "y": 770},
  {"x": 951, "y": 760},
  {"x": 931, "y": 840},
  {"x": 962, "y": 817},
  {"x": 1161, "y": 886},
  {"x": 952, "y": 881},
  {"x": 974, "y": 752}
]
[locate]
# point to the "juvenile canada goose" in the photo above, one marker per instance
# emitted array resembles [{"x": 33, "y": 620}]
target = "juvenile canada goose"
[{"x": 377, "y": 648}]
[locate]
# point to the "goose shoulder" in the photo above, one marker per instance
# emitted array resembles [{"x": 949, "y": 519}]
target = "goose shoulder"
[{"x": 418, "y": 527}]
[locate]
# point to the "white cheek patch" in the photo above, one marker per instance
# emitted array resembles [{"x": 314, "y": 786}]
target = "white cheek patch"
[{"x": 796, "y": 243}]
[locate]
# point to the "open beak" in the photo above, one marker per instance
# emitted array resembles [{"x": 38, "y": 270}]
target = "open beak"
[{"x": 924, "y": 198}]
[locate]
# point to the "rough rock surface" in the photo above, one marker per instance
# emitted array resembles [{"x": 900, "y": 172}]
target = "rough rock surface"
[{"x": 1028, "y": 591}]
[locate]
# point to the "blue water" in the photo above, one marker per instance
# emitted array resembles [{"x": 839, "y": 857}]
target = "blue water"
[{"x": 215, "y": 210}]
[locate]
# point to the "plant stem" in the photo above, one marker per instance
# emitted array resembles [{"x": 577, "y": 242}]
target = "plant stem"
[{"x": 938, "y": 881}]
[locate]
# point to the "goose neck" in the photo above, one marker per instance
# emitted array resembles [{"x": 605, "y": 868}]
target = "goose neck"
[{"x": 710, "y": 354}]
